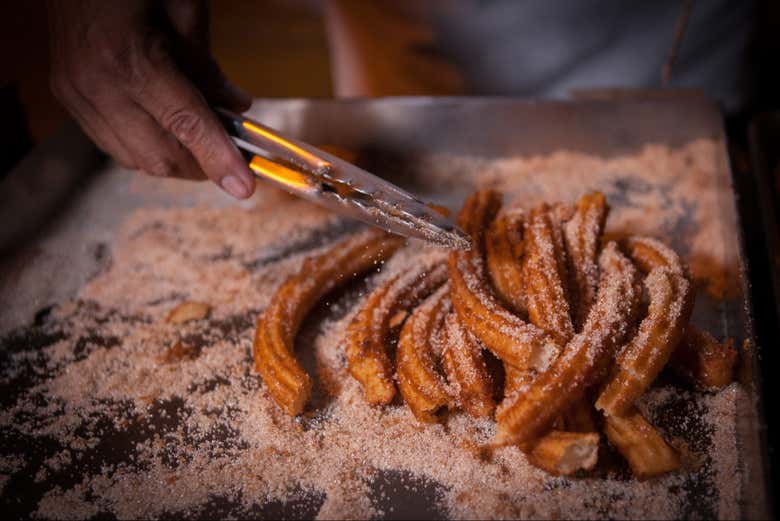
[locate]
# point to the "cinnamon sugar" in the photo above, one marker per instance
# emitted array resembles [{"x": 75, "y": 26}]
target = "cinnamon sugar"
[{"x": 135, "y": 435}]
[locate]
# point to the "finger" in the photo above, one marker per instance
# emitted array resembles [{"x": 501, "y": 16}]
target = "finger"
[
  {"x": 156, "y": 150},
  {"x": 152, "y": 149},
  {"x": 111, "y": 147},
  {"x": 92, "y": 123},
  {"x": 181, "y": 110}
]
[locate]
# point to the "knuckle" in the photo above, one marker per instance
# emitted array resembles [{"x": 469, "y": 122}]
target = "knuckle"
[
  {"x": 185, "y": 125},
  {"x": 126, "y": 62},
  {"x": 121, "y": 57},
  {"x": 74, "y": 80},
  {"x": 155, "y": 48},
  {"x": 161, "y": 167}
]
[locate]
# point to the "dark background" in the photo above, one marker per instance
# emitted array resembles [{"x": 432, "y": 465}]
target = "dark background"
[
  {"x": 274, "y": 48},
  {"x": 268, "y": 47}
]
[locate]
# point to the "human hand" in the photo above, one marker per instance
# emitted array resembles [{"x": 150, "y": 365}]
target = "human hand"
[{"x": 137, "y": 75}]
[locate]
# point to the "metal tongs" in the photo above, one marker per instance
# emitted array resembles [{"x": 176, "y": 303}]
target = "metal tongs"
[{"x": 328, "y": 181}]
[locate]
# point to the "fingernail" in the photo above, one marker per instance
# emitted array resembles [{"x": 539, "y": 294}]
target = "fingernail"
[{"x": 235, "y": 187}]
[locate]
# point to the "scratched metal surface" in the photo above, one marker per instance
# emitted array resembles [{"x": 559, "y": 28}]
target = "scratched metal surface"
[{"x": 72, "y": 246}]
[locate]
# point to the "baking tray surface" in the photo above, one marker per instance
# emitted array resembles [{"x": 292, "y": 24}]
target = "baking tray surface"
[{"x": 98, "y": 419}]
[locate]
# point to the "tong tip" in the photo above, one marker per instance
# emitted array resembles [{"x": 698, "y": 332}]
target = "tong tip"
[{"x": 450, "y": 237}]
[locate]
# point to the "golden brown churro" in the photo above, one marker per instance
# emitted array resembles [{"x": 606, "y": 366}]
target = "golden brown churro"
[
  {"x": 282, "y": 375},
  {"x": 646, "y": 451},
  {"x": 671, "y": 303},
  {"x": 503, "y": 254},
  {"x": 582, "y": 235},
  {"x": 419, "y": 380},
  {"x": 704, "y": 362},
  {"x": 503, "y": 251},
  {"x": 584, "y": 359},
  {"x": 510, "y": 338},
  {"x": 648, "y": 253},
  {"x": 564, "y": 453},
  {"x": 367, "y": 334},
  {"x": 466, "y": 369},
  {"x": 543, "y": 283},
  {"x": 514, "y": 380},
  {"x": 640, "y": 361},
  {"x": 544, "y": 276}
]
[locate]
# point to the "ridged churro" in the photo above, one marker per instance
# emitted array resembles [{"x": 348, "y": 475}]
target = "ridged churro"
[
  {"x": 544, "y": 276},
  {"x": 421, "y": 384},
  {"x": 544, "y": 286},
  {"x": 513, "y": 340},
  {"x": 564, "y": 453},
  {"x": 367, "y": 334},
  {"x": 582, "y": 235},
  {"x": 514, "y": 381},
  {"x": 553, "y": 391},
  {"x": 702, "y": 361},
  {"x": 641, "y": 360},
  {"x": 503, "y": 256},
  {"x": 648, "y": 253},
  {"x": 639, "y": 442},
  {"x": 503, "y": 251},
  {"x": 467, "y": 372},
  {"x": 285, "y": 379}
]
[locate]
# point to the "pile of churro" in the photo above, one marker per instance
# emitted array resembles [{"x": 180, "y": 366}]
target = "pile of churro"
[{"x": 545, "y": 325}]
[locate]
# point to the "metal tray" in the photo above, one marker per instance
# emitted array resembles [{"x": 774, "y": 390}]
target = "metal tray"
[{"x": 386, "y": 132}]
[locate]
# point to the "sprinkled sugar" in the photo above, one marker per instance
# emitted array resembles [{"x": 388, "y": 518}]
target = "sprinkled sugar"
[{"x": 119, "y": 428}]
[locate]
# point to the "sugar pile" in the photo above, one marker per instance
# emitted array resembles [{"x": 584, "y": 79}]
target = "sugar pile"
[{"x": 104, "y": 421}]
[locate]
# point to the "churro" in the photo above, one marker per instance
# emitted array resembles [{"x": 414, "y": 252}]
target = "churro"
[
  {"x": 367, "y": 334},
  {"x": 421, "y": 384},
  {"x": 510, "y": 338},
  {"x": 639, "y": 442},
  {"x": 642, "y": 359},
  {"x": 514, "y": 380},
  {"x": 584, "y": 359},
  {"x": 285, "y": 379},
  {"x": 503, "y": 251},
  {"x": 544, "y": 276},
  {"x": 648, "y": 253},
  {"x": 466, "y": 370},
  {"x": 702, "y": 361},
  {"x": 503, "y": 257},
  {"x": 564, "y": 453},
  {"x": 582, "y": 235}
]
